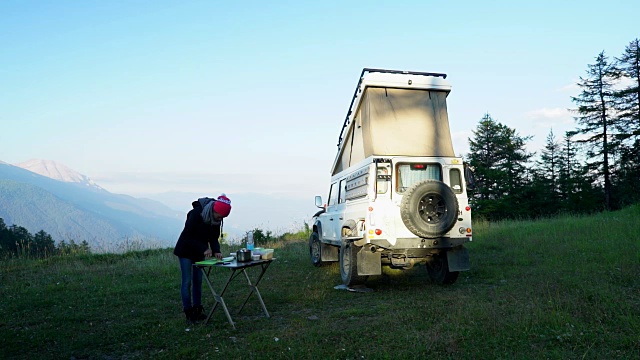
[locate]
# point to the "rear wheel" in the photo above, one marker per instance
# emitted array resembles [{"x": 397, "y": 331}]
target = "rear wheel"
[
  {"x": 315, "y": 249},
  {"x": 349, "y": 265},
  {"x": 438, "y": 269}
]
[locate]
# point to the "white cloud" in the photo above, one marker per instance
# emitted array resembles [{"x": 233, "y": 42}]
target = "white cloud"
[
  {"x": 548, "y": 118},
  {"x": 572, "y": 88},
  {"x": 549, "y": 113}
]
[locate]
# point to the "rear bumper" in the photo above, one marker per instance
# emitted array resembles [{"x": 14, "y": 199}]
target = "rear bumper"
[{"x": 420, "y": 243}]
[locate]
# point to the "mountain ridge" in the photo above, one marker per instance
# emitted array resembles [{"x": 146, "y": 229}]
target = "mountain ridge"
[
  {"x": 57, "y": 171},
  {"x": 38, "y": 202}
]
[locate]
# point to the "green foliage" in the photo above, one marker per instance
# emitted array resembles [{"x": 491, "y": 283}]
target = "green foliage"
[
  {"x": 262, "y": 238},
  {"x": 626, "y": 187},
  {"x": 596, "y": 167},
  {"x": 594, "y": 115},
  {"x": 627, "y": 99},
  {"x": 16, "y": 241},
  {"x": 564, "y": 288},
  {"x": 499, "y": 159}
]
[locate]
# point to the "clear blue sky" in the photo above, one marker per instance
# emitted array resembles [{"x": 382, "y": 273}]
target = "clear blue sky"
[{"x": 211, "y": 96}]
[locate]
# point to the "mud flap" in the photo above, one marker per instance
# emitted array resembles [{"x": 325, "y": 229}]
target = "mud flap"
[
  {"x": 330, "y": 253},
  {"x": 369, "y": 263},
  {"x": 458, "y": 259}
]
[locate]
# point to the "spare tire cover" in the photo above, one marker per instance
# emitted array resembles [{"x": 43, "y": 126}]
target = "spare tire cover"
[{"x": 429, "y": 209}]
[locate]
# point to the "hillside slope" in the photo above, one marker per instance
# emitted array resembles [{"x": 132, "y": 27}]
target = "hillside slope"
[{"x": 68, "y": 211}]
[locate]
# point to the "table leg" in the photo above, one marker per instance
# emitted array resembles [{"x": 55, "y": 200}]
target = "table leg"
[
  {"x": 254, "y": 288},
  {"x": 218, "y": 298}
]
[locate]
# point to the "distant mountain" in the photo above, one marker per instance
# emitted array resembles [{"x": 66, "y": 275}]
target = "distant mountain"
[
  {"x": 79, "y": 210},
  {"x": 57, "y": 171}
]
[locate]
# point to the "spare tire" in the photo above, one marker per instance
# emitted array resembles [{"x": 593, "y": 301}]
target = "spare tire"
[{"x": 429, "y": 209}]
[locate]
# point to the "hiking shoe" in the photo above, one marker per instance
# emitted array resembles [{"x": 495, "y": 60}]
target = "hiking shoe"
[
  {"x": 198, "y": 313},
  {"x": 188, "y": 312}
]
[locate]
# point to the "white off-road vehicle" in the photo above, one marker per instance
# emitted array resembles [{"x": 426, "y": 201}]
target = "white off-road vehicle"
[{"x": 398, "y": 192}]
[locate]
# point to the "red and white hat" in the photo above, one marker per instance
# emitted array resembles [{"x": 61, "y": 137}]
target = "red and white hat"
[{"x": 222, "y": 205}]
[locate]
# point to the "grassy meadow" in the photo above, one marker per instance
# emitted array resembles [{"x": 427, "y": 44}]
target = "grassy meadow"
[{"x": 563, "y": 288}]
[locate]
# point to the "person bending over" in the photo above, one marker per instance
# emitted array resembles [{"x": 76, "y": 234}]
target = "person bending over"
[{"x": 199, "y": 240}]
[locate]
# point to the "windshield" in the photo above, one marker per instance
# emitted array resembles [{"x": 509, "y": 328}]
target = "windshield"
[{"x": 410, "y": 174}]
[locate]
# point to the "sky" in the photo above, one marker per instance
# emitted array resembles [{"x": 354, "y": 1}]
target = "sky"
[{"x": 155, "y": 96}]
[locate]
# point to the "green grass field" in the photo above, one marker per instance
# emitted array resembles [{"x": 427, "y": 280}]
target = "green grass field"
[{"x": 564, "y": 288}]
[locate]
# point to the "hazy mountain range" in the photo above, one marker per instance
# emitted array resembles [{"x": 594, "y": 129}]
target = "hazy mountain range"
[
  {"x": 69, "y": 206},
  {"x": 46, "y": 195}
]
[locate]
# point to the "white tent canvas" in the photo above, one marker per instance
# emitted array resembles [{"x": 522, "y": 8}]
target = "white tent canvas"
[{"x": 391, "y": 121}]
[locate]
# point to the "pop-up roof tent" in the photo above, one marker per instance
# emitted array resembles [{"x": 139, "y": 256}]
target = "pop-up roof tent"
[{"x": 395, "y": 113}]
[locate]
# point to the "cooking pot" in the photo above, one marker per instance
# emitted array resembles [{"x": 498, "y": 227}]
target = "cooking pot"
[{"x": 243, "y": 255}]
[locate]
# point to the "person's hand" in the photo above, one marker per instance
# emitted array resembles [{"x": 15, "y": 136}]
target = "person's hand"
[
  {"x": 218, "y": 255},
  {"x": 207, "y": 253}
]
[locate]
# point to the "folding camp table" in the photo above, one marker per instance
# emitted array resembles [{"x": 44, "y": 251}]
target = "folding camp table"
[{"x": 236, "y": 268}]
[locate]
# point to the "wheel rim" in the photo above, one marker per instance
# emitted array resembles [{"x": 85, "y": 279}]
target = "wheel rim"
[{"x": 432, "y": 208}]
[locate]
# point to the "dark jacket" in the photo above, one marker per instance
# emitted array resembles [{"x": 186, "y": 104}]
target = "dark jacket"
[{"x": 196, "y": 237}]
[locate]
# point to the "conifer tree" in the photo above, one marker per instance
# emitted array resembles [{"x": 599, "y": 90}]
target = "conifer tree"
[
  {"x": 499, "y": 159},
  {"x": 549, "y": 165},
  {"x": 627, "y": 102},
  {"x": 544, "y": 189},
  {"x": 484, "y": 158},
  {"x": 627, "y": 106},
  {"x": 44, "y": 244},
  {"x": 594, "y": 116},
  {"x": 574, "y": 183}
]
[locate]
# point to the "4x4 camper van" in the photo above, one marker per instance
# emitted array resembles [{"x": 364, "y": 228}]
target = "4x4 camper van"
[{"x": 398, "y": 192}]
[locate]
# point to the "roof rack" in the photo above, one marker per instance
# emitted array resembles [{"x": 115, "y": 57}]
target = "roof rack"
[{"x": 370, "y": 70}]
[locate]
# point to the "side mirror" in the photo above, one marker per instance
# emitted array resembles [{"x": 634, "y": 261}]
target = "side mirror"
[{"x": 319, "y": 202}]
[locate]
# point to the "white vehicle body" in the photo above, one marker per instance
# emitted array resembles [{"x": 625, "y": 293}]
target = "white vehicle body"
[{"x": 398, "y": 192}]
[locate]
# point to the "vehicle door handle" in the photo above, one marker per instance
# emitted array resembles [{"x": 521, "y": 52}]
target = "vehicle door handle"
[
  {"x": 341, "y": 218},
  {"x": 331, "y": 219}
]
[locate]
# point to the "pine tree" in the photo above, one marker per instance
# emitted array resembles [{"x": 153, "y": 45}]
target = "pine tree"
[
  {"x": 574, "y": 183},
  {"x": 549, "y": 164},
  {"x": 499, "y": 159},
  {"x": 44, "y": 244},
  {"x": 594, "y": 114},
  {"x": 627, "y": 106},
  {"x": 484, "y": 158},
  {"x": 5, "y": 237},
  {"x": 627, "y": 102},
  {"x": 545, "y": 184}
]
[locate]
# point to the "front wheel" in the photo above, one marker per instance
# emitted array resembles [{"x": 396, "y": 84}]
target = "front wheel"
[
  {"x": 349, "y": 265},
  {"x": 315, "y": 249},
  {"x": 438, "y": 269}
]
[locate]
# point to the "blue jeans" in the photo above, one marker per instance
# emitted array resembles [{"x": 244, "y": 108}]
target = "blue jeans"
[{"x": 190, "y": 276}]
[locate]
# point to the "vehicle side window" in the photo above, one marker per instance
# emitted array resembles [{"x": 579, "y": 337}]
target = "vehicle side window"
[
  {"x": 382, "y": 184},
  {"x": 343, "y": 191},
  {"x": 333, "y": 194},
  {"x": 455, "y": 180}
]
